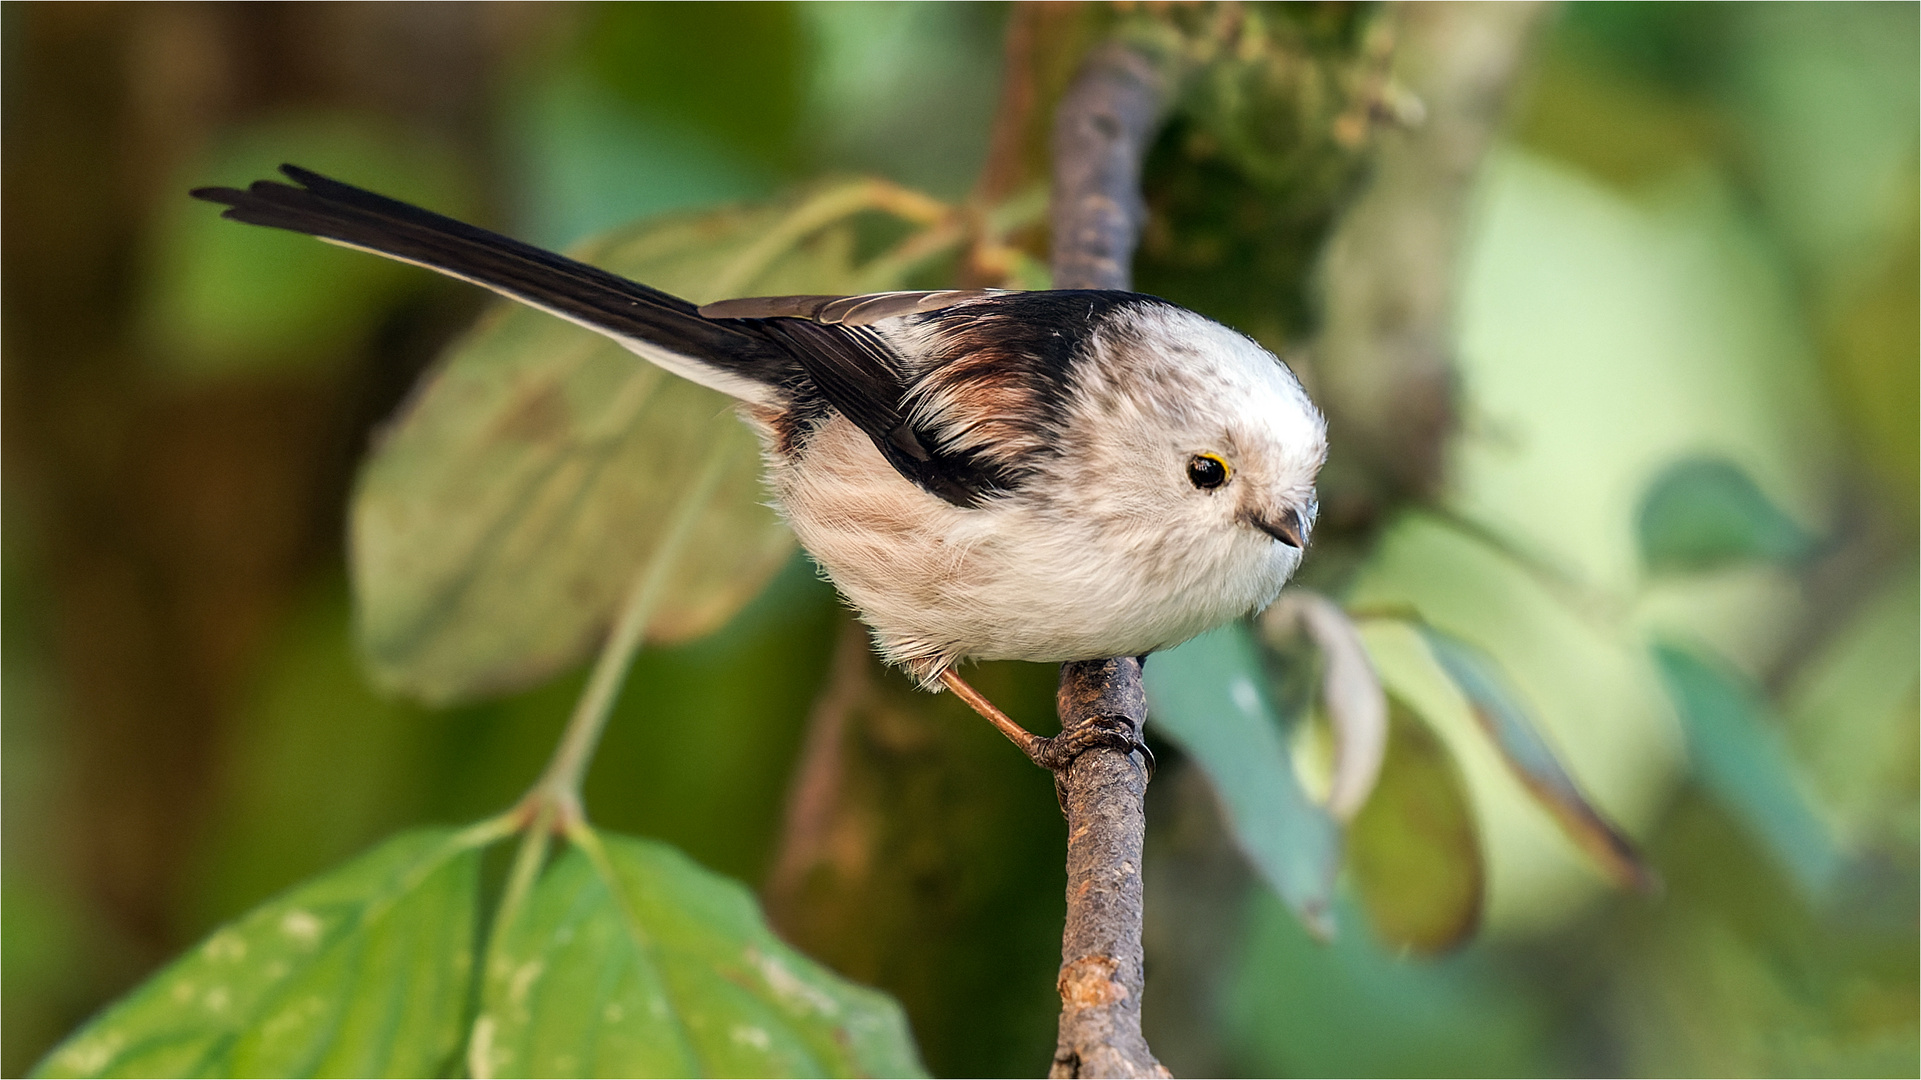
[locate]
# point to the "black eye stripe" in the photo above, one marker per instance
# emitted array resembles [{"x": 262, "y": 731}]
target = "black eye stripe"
[{"x": 1206, "y": 471}]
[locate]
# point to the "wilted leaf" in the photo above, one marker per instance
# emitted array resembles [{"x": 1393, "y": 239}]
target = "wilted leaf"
[
  {"x": 631, "y": 960},
  {"x": 502, "y": 516},
  {"x": 1209, "y": 697},
  {"x": 1351, "y": 694},
  {"x": 362, "y": 972},
  {"x": 1705, "y": 513},
  {"x": 1414, "y": 849},
  {"x": 1739, "y": 754},
  {"x": 1498, "y": 709}
]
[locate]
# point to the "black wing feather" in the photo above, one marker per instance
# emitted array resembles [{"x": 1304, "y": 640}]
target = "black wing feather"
[{"x": 861, "y": 377}]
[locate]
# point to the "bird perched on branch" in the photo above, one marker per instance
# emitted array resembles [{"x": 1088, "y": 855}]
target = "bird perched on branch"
[{"x": 1048, "y": 476}]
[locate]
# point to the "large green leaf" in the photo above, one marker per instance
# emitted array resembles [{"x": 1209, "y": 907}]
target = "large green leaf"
[
  {"x": 362, "y": 972},
  {"x": 1414, "y": 850},
  {"x": 506, "y": 510},
  {"x": 1703, "y": 513},
  {"x": 1210, "y": 698},
  {"x": 1741, "y": 756},
  {"x": 1507, "y": 723},
  {"x": 628, "y": 959}
]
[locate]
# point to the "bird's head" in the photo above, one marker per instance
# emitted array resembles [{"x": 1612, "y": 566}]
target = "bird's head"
[{"x": 1203, "y": 447}]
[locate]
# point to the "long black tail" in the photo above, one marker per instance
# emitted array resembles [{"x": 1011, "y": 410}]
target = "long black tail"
[{"x": 662, "y": 328}]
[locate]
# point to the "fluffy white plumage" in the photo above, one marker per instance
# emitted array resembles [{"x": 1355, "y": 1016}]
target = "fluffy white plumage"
[{"x": 1111, "y": 550}]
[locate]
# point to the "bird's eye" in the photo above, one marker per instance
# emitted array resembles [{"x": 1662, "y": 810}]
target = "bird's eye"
[{"x": 1208, "y": 471}]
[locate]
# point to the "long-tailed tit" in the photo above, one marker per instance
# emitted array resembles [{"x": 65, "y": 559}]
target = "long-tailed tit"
[{"x": 1048, "y": 476}]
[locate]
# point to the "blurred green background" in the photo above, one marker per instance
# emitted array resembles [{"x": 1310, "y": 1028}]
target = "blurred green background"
[{"x": 1698, "y": 236}]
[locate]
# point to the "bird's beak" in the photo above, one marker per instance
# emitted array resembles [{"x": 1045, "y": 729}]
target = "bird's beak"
[{"x": 1287, "y": 527}]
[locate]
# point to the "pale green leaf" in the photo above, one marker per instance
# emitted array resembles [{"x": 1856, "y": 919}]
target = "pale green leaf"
[
  {"x": 628, "y": 959},
  {"x": 1209, "y": 697},
  {"x": 504, "y": 512},
  {"x": 1852, "y": 706},
  {"x": 1414, "y": 850},
  {"x": 362, "y": 972},
  {"x": 1351, "y": 696}
]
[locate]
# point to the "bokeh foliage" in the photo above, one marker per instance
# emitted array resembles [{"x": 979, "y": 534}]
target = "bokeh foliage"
[{"x": 1686, "y": 462}]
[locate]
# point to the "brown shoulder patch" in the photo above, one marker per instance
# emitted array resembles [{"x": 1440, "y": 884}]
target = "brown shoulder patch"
[{"x": 994, "y": 386}]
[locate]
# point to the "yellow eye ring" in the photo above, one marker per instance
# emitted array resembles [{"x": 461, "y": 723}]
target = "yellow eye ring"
[{"x": 1208, "y": 471}]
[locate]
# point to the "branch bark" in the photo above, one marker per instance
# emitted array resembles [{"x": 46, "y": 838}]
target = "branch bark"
[
  {"x": 1389, "y": 267},
  {"x": 1103, "y": 793},
  {"x": 1101, "y": 134}
]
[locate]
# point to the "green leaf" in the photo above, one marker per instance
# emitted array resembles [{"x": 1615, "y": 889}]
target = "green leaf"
[
  {"x": 1506, "y": 721},
  {"x": 1705, "y": 513},
  {"x": 629, "y": 959},
  {"x": 362, "y": 972},
  {"x": 501, "y": 518},
  {"x": 1738, "y": 752},
  {"x": 1414, "y": 850},
  {"x": 1209, "y": 697}
]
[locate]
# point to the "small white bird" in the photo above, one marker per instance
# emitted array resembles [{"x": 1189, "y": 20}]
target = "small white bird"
[{"x": 988, "y": 475}]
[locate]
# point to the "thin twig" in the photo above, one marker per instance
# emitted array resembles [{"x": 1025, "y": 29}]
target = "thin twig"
[{"x": 1101, "y": 134}]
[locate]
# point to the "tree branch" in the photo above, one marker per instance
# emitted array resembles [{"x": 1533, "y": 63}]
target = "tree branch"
[
  {"x": 1101, "y": 134},
  {"x": 1103, "y": 793},
  {"x": 1388, "y": 296}
]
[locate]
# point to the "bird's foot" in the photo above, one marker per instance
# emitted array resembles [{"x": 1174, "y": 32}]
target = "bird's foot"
[
  {"x": 1058, "y": 752},
  {"x": 1098, "y": 733}
]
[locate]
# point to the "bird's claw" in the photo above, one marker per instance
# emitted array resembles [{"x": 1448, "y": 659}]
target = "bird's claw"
[{"x": 1058, "y": 752}]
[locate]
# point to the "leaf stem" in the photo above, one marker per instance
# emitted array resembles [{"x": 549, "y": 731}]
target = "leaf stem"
[
  {"x": 559, "y": 785},
  {"x": 527, "y": 861},
  {"x": 484, "y": 833},
  {"x": 892, "y": 265},
  {"x": 554, "y": 804},
  {"x": 822, "y": 210},
  {"x": 520, "y": 882}
]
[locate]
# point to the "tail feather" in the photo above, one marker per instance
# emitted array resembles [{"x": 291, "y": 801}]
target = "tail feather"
[{"x": 660, "y": 327}]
